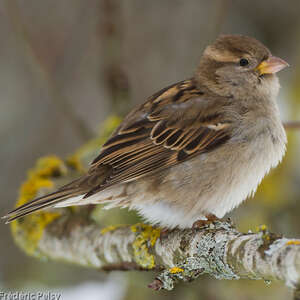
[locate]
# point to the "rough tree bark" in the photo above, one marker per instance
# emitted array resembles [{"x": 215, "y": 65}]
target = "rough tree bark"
[{"x": 73, "y": 236}]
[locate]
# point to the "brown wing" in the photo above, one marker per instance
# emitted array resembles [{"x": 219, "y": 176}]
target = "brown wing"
[{"x": 174, "y": 125}]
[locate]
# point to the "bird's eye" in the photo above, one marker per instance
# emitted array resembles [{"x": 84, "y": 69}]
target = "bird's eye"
[{"x": 244, "y": 62}]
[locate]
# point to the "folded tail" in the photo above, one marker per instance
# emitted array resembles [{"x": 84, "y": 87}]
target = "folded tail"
[{"x": 64, "y": 194}]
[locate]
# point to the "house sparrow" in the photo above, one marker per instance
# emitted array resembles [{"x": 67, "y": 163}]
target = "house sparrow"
[{"x": 194, "y": 149}]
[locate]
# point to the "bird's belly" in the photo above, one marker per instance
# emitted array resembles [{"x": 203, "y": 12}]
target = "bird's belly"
[
  {"x": 241, "y": 178},
  {"x": 211, "y": 183},
  {"x": 214, "y": 182}
]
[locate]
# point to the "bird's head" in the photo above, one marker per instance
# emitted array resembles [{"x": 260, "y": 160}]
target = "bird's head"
[{"x": 234, "y": 65}]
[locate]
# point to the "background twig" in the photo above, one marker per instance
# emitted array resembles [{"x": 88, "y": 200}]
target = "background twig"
[
  {"x": 291, "y": 124},
  {"x": 13, "y": 11}
]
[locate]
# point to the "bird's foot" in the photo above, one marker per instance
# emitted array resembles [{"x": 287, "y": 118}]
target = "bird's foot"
[
  {"x": 210, "y": 218},
  {"x": 164, "y": 232}
]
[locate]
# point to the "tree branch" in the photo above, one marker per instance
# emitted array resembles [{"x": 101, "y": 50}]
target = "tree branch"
[
  {"x": 182, "y": 255},
  {"x": 74, "y": 235}
]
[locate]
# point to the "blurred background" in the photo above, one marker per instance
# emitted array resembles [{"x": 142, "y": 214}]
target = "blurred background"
[{"x": 65, "y": 66}]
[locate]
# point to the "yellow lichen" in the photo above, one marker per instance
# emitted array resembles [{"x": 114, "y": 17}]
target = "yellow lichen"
[
  {"x": 262, "y": 228},
  {"x": 110, "y": 228},
  {"x": 146, "y": 237},
  {"x": 28, "y": 231},
  {"x": 74, "y": 162},
  {"x": 175, "y": 270},
  {"x": 110, "y": 124},
  {"x": 78, "y": 159},
  {"x": 295, "y": 242}
]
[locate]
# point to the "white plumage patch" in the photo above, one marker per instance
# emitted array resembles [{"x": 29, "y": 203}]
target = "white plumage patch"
[
  {"x": 71, "y": 201},
  {"x": 163, "y": 214}
]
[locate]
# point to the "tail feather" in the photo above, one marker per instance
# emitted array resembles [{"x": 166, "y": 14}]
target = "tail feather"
[
  {"x": 78, "y": 187},
  {"x": 30, "y": 210},
  {"x": 40, "y": 203},
  {"x": 36, "y": 201}
]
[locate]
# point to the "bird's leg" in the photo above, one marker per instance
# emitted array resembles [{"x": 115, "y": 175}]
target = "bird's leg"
[
  {"x": 165, "y": 231},
  {"x": 210, "y": 218}
]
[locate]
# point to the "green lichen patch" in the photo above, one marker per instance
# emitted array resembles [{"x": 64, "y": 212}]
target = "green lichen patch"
[
  {"x": 209, "y": 258},
  {"x": 211, "y": 254},
  {"x": 146, "y": 237}
]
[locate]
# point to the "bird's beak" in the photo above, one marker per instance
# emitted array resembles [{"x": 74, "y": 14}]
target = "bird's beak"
[{"x": 272, "y": 65}]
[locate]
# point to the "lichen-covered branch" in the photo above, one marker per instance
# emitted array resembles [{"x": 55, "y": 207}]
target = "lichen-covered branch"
[
  {"x": 182, "y": 255},
  {"x": 75, "y": 236}
]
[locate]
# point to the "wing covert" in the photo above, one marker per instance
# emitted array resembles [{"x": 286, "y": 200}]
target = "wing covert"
[{"x": 164, "y": 131}]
